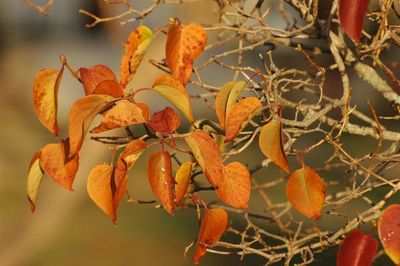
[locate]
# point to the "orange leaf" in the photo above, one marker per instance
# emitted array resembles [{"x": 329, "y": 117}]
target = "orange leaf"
[
  {"x": 159, "y": 172},
  {"x": 34, "y": 178},
  {"x": 135, "y": 48},
  {"x": 173, "y": 90},
  {"x": 58, "y": 165},
  {"x": 234, "y": 187},
  {"x": 239, "y": 116},
  {"x": 306, "y": 192},
  {"x": 109, "y": 87},
  {"x": 99, "y": 189},
  {"x": 213, "y": 226},
  {"x": 207, "y": 154},
  {"x": 357, "y": 249},
  {"x": 45, "y": 90},
  {"x": 165, "y": 121},
  {"x": 184, "y": 44},
  {"x": 91, "y": 77},
  {"x": 226, "y": 97},
  {"x": 182, "y": 179},
  {"x": 81, "y": 116},
  {"x": 389, "y": 232},
  {"x": 270, "y": 143}
]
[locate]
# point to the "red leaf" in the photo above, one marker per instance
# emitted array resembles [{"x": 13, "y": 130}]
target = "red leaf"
[
  {"x": 91, "y": 77},
  {"x": 109, "y": 87},
  {"x": 389, "y": 232},
  {"x": 165, "y": 121},
  {"x": 352, "y": 14},
  {"x": 357, "y": 249}
]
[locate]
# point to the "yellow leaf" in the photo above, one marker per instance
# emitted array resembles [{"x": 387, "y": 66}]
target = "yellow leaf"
[
  {"x": 34, "y": 178},
  {"x": 182, "y": 179}
]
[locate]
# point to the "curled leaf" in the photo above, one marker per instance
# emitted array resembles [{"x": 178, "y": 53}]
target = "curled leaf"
[
  {"x": 184, "y": 44},
  {"x": 35, "y": 175},
  {"x": 159, "y": 172},
  {"x": 173, "y": 90},
  {"x": 240, "y": 115},
  {"x": 91, "y": 77},
  {"x": 389, "y": 232},
  {"x": 306, "y": 192},
  {"x": 270, "y": 143},
  {"x": 135, "y": 48},
  {"x": 182, "y": 179},
  {"x": 357, "y": 249},
  {"x": 352, "y": 14},
  {"x": 109, "y": 87},
  {"x": 45, "y": 90},
  {"x": 165, "y": 121},
  {"x": 213, "y": 226}
]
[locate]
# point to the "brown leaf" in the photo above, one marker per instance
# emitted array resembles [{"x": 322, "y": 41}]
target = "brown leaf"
[
  {"x": 109, "y": 87},
  {"x": 306, "y": 192},
  {"x": 45, "y": 90},
  {"x": 91, "y": 77},
  {"x": 100, "y": 191},
  {"x": 184, "y": 44},
  {"x": 207, "y": 154},
  {"x": 81, "y": 116},
  {"x": 389, "y": 232},
  {"x": 165, "y": 121},
  {"x": 135, "y": 48},
  {"x": 182, "y": 179},
  {"x": 234, "y": 187},
  {"x": 270, "y": 143},
  {"x": 213, "y": 226},
  {"x": 57, "y": 164},
  {"x": 239, "y": 116},
  {"x": 123, "y": 113},
  {"x": 159, "y": 172},
  {"x": 34, "y": 179},
  {"x": 352, "y": 14}
]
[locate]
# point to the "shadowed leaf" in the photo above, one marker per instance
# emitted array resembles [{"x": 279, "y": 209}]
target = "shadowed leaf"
[
  {"x": 389, "y": 232},
  {"x": 182, "y": 179},
  {"x": 165, "y": 121},
  {"x": 352, "y": 14},
  {"x": 91, "y": 77},
  {"x": 35, "y": 175}
]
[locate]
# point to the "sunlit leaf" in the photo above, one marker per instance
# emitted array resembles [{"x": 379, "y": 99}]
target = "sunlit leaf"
[
  {"x": 123, "y": 113},
  {"x": 389, "y": 232},
  {"x": 182, "y": 179},
  {"x": 159, "y": 172},
  {"x": 173, "y": 90},
  {"x": 135, "y": 48},
  {"x": 226, "y": 97},
  {"x": 109, "y": 87},
  {"x": 239, "y": 116},
  {"x": 270, "y": 143},
  {"x": 91, "y": 77},
  {"x": 165, "y": 121},
  {"x": 184, "y": 44},
  {"x": 45, "y": 90},
  {"x": 213, "y": 226},
  {"x": 35, "y": 175},
  {"x": 207, "y": 154},
  {"x": 81, "y": 116},
  {"x": 352, "y": 14},
  {"x": 357, "y": 249},
  {"x": 306, "y": 192}
]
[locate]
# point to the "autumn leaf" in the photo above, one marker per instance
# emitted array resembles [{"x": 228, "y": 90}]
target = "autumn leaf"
[
  {"x": 91, "y": 77},
  {"x": 57, "y": 164},
  {"x": 135, "y": 48},
  {"x": 81, "y": 116},
  {"x": 159, "y": 172},
  {"x": 389, "y": 232},
  {"x": 226, "y": 97},
  {"x": 213, "y": 226},
  {"x": 34, "y": 179},
  {"x": 239, "y": 116},
  {"x": 182, "y": 179},
  {"x": 207, "y": 154},
  {"x": 270, "y": 143},
  {"x": 306, "y": 192},
  {"x": 357, "y": 249},
  {"x": 165, "y": 121},
  {"x": 123, "y": 113},
  {"x": 184, "y": 44},
  {"x": 234, "y": 187},
  {"x": 100, "y": 191},
  {"x": 173, "y": 90},
  {"x": 352, "y": 14},
  {"x": 45, "y": 90},
  {"x": 109, "y": 87}
]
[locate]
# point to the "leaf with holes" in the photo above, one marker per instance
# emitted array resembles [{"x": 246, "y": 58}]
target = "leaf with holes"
[
  {"x": 165, "y": 121},
  {"x": 135, "y": 48},
  {"x": 34, "y": 179},
  {"x": 306, "y": 192},
  {"x": 109, "y": 87},
  {"x": 352, "y": 14},
  {"x": 213, "y": 226},
  {"x": 173, "y": 90},
  {"x": 270, "y": 143},
  {"x": 182, "y": 179},
  {"x": 389, "y": 232},
  {"x": 45, "y": 90},
  {"x": 91, "y": 77},
  {"x": 184, "y": 44}
]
